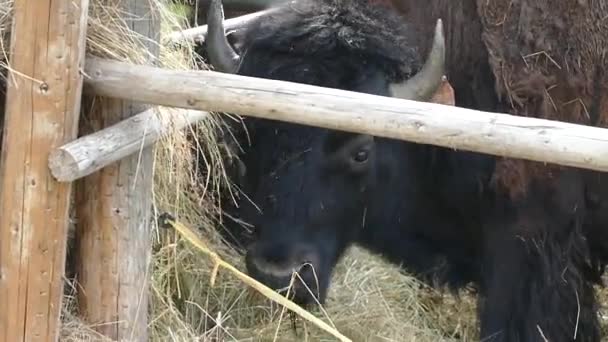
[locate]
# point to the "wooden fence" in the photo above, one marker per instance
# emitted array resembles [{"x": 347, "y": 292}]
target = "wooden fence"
[{"x": 41, "y": 158}]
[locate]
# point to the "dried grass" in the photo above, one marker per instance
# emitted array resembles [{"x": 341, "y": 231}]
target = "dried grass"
[{"x": 368, "y": 301}]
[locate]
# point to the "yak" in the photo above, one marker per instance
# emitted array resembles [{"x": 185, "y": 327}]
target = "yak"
[{"x": 311, "y": 192}]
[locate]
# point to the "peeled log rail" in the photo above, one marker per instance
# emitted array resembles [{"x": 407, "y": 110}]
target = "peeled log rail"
[
  {"x": 87, "y": 154},
  {"x": 81, "y": 157},
  {"x": 453, "y": 127},
  {"x": 238, "y": 4},
  {"x": 198, "y": 33},
  {"x": 42, "y": 108}
]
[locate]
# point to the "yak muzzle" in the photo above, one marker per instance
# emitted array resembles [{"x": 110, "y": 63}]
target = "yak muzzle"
[{"x": 289, "y": 269}]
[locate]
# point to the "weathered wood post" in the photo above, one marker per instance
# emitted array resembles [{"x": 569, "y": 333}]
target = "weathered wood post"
[
  {"x": 113, "y": 213},
  {"x": 42, "y": 109}
]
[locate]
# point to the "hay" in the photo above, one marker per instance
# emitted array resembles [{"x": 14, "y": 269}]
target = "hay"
[
  {"x": 194, "y": 239},
  {"x": 369, "y": 300}
]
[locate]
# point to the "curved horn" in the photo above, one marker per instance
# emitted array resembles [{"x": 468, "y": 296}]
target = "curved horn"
[
  {"x": 221, "y": 55},
  {"x": 423, "y": 85}
]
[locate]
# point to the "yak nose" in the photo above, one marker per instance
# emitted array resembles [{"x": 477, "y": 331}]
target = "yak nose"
[
  {"x": 280, "y": 259},
  {"x": 274, "y": 264}
]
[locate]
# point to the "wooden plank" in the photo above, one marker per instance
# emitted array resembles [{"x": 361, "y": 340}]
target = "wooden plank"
[
  {"x": 113, "y": 209},
  {"x": 90, "y": 153},
  {"x": 428, "y": 123},
  {"x": 42, "y": 110}
]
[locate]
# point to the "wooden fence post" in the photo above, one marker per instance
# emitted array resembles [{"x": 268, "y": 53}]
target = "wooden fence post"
[
  {"x": 42, "y": 109},
  {"x": 113, "y": 209}
]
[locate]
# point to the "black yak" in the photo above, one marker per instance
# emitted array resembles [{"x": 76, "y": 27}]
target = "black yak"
[{"x": 442, "y": 214}]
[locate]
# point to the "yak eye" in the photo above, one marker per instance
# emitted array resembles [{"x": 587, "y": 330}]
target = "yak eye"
[{"x": 361, "y": 156}]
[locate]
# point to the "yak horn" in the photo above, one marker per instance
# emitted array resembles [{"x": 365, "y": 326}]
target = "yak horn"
[
  {"x": 423, "y": 85},
  {"x": 221, "y": 55}
]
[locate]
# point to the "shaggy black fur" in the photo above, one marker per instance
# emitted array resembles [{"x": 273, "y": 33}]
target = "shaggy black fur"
[{"x": 431, "y": 209}]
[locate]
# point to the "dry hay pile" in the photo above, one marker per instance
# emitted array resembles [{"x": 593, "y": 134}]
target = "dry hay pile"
[{"x": 369, "y": 300}]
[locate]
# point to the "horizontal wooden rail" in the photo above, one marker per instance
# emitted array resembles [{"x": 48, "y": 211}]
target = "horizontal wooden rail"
[
  {"x": 87, "y": 154},
  {"x": 199, "y": 33},
  {"x": 92, "y": 152},
  {"x": 243, "y": 4},
  {"x": 428, "y": 123}
]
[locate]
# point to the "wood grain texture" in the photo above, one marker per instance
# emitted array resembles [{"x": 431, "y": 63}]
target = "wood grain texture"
[
  {"x": 42, "y": 110},
  {"x": 113, "y": 213},
  {"x": 90, "y": 153},
  {"x": 428, "y": 123}
]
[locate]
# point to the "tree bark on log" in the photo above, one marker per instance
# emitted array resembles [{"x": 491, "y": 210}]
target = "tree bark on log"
[
  {"x": 42, "y": 110},
  {"x": 427, "y": 123},
  {"x": 113, "y": 214}
]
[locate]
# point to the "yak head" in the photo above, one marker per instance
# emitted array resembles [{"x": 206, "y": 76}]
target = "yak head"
[{"x": 311, "y": 186}]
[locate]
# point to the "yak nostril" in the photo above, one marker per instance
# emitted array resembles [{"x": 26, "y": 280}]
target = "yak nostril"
[
  {"x": 308, "y": 272},
  {"x": 268, "y": 264},
  {"x": 274, "y": 255},
  {"x": 276, "y": 262},
  {"x": 303, "y": 280}
]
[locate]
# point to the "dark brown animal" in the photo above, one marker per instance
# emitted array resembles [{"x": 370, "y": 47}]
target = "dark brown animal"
[{"x": 537, "y": 58}]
